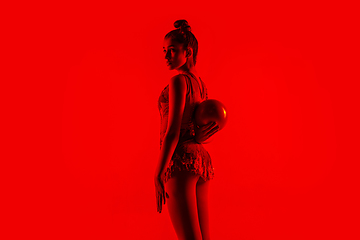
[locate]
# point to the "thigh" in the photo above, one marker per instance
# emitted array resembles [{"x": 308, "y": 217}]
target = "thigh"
[
  {"x": 182, "y": 206},
  {"x": 202, "y": 195}
]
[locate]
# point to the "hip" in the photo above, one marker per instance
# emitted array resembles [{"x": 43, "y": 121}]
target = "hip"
[{"x": 190, "y": 146}]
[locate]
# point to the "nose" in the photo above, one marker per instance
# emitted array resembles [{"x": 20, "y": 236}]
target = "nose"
[{"x": 167, "y": 55}]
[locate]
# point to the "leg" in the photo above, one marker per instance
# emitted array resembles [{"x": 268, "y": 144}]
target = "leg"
[
  {"x": 181, "y": 204},
  {"x": 202, "y": 193}
]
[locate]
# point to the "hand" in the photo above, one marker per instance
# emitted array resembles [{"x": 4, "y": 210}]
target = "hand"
[
  {"x": 160, "y": 193},
  {"x": 206, "y": 131}
]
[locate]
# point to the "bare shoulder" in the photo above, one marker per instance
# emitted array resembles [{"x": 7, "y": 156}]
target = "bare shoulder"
[
  {"x": 178, "y": 78},
  {"x": 178, "y": 81}
]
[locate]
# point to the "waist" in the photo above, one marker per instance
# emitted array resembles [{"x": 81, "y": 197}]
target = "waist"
[{"x": 186, "y": 134}]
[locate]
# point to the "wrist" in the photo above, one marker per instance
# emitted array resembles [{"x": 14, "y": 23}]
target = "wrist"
[{"x": 158, "y": 174}]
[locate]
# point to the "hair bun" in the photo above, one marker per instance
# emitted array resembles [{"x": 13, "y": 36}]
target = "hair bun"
[{"x": 182, "y": 25}]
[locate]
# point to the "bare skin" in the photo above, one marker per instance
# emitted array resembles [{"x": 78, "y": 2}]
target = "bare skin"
[
  {"x": 186, "y": 193},
  {"x": 182, "y": 60},
  {"x": 188, "y": 205}
]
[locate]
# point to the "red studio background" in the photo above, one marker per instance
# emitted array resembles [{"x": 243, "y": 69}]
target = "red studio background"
[{"x": 80, "y": 84}]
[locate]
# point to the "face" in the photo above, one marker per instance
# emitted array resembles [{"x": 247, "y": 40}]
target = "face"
[{"x": 174, "y": 54}]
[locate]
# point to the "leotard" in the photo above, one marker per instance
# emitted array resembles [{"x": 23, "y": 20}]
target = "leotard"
[{"x": 188, "y": 155}]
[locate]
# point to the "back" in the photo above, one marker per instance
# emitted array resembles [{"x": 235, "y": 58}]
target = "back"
[{"x": 196, "y": 93}]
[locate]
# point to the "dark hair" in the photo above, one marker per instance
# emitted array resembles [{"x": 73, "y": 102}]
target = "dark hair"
[{"x": 183, "y": 35}]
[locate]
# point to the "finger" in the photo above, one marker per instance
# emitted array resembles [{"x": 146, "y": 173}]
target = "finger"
[
  {"x": 157, "y": 204},
  {"x": 211, "y": 134},
  {"x": 160, "y": 206},
  {"x": 211, "y": 130},
  {"x": 158, "y": 201},
  {"x": 210, "y": 125},
  {"x": 205, "y": 127},
  {"x": 215, "y": 129},
  {"x": 164, "y": 196}
]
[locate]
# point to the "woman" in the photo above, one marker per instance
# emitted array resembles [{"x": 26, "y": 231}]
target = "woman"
[{"x": 184, "y": 168}]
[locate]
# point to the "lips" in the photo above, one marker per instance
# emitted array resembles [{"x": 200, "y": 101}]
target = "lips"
[{"x": 168, "y": 63}]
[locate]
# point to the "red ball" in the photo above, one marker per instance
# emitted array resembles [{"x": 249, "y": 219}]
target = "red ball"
[{"x": 211, "y": 110}]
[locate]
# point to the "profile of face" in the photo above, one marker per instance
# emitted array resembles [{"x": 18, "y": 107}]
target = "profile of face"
[{"x": 175, "y": 55}]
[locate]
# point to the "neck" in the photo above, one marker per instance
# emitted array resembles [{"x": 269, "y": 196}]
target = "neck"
[{"x": 188, "y": 68}]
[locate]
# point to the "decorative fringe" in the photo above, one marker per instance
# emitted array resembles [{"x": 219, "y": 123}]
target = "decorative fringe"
[{"x": 192, "y": 157}]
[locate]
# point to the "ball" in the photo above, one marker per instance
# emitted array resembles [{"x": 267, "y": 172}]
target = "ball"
[{"x": 211, "y": 110}]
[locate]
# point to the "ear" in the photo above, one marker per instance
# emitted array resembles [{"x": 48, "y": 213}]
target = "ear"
[{"x": 189, "y": 52}]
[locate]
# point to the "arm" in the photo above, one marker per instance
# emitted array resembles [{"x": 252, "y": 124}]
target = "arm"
[
  {"x": 177, "y": 97},
  {"x": 204, "y": 133}
]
